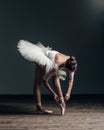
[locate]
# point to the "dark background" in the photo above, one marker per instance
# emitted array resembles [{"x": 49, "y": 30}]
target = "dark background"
[{"x": 73, "y": 27}]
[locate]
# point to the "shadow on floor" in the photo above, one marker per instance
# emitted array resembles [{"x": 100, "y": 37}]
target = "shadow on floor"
[{"x": 24, "y": 105}]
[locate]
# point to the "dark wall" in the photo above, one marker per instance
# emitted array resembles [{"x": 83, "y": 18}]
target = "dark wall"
[{"x": 73, "y": 27}]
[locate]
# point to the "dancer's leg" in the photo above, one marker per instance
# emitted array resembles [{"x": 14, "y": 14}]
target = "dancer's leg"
[
  {"x": 39, "y": 72},
  {"x": 56, "y": 82},
  {"x": 37, "y": 84},
  {"x": 62, "y": 104}
]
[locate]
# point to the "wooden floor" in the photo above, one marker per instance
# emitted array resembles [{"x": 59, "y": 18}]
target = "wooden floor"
[{"x": 81, "y": 114}]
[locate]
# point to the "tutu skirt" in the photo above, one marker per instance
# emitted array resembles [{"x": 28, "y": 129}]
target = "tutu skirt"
[
  {"x": 38, "y": 53},
  {"x": 41, "y": 55}
]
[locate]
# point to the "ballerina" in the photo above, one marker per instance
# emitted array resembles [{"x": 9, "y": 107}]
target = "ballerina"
[{"x": 49, "y": 64}]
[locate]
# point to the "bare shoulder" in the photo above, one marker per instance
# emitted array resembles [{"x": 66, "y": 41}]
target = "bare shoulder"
[
  {"x": 60, "y": 55},
  {"x": 60, "y": 58}
]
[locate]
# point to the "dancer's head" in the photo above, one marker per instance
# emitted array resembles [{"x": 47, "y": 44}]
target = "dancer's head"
[{"x": 71, "y": 64}]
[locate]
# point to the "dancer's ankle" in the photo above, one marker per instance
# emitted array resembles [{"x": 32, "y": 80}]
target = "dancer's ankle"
[
  {"x": 61, "y": 99},
  {"x": 38, "y": 104}
]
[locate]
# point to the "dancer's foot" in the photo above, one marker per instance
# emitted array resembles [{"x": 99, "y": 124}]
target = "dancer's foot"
[
  {"x": 41, "y": 110},
  {"x": 62, "y": 106}
]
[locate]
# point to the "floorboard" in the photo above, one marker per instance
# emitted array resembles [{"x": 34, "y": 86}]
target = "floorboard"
[{"x": 82, "y": 113}]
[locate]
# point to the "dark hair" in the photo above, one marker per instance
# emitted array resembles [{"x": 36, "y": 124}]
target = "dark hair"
[{"x": 71, "y": 63}]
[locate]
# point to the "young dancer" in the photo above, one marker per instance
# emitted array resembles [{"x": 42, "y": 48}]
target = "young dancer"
[{"x": 49, "y": 63}]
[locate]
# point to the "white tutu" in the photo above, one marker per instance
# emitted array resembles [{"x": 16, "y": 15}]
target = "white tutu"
[
  {"x": 41, "y": 55},
  {"x": 38, "y": 53}
]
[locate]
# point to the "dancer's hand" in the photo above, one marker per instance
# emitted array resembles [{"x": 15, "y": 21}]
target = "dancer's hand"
[
  {"x": 56, "y": 98},
  {"x": 67, "y": 97}
]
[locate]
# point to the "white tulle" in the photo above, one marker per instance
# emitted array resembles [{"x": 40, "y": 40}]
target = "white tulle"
[{"x": 36, "y": 53}]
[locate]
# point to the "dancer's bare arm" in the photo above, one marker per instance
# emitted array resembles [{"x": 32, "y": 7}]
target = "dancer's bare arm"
[
  {"x": 41, "y": 77},
  {"x": 70, "y": 85},
  {"x": 49, "y": 75},
  {"x": 51, "y": 90}
]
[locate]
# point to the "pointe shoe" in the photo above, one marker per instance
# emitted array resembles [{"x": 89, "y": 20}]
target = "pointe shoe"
[
  {"x": 41, "y": 110},
  {"x": 62, "y": 107}
]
